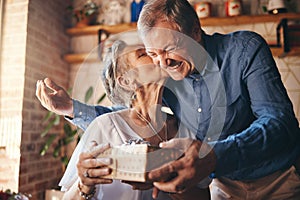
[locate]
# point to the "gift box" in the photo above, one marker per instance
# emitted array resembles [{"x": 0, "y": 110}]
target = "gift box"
[{"x": 133, "y": 162}]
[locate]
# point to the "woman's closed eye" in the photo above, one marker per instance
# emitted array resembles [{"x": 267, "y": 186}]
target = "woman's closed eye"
[{"x": 141, "y": 53}]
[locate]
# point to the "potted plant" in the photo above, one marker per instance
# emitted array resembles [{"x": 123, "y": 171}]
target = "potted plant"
[
  {"x": 84, "y": 15},
  {"x": 9, "y": 195},
  {"x": 69, "y": 135}
]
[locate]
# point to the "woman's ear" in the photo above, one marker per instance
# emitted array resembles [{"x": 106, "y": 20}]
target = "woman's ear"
[{"x": 126, "y": 83}]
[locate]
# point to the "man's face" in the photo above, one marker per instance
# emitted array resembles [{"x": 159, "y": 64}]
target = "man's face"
[{"x": 172, "y": 51}]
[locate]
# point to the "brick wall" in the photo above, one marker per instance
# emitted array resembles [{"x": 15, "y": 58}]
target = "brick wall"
[
  {"x": 12, "y": 89},
  {"x": 34, "y": 41},
  {"x": 46, "y": 43}
]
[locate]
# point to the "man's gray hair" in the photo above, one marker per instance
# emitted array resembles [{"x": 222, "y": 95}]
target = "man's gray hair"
[{"x": 178, "y": 13}]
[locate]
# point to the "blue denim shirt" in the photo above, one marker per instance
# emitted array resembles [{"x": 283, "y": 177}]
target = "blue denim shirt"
[{"x": 252, "y": 129}]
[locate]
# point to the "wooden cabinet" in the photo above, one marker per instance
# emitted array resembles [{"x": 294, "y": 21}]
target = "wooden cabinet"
[{"x": 279, "y": 50}]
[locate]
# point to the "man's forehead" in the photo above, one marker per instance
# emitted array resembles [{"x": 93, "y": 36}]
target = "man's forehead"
[{"x": 161, "y": 38}]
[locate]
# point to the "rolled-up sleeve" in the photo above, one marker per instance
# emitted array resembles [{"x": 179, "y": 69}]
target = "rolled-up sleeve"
[{"x": 84, "y": 114}]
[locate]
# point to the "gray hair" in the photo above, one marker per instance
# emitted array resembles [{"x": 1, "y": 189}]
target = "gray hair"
[
  {"x": 180, "y": 13},
  {"x": 116, "y": 64}
]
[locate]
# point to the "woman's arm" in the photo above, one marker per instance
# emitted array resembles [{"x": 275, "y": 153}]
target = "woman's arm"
[
  {"x": 79, "y": 191},
  {"x": 90, "y": 169},
  {"x": 56, "y": 99}
]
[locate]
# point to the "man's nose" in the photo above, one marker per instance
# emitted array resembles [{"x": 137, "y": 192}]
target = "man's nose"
[{"x": 161, "y": 61}]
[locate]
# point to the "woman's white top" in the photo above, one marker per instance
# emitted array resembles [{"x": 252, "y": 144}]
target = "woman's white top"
[{"x": 110, "y": 128}]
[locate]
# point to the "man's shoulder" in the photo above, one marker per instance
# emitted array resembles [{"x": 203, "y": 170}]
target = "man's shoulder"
[
  {"x": 238, "y": 40},
  {"x": 247, "y": 36},
  {"x": 243, "y": 35}
]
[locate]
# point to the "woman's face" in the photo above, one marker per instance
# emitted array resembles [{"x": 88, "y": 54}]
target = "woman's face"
[{"x": 143, "y": 70}]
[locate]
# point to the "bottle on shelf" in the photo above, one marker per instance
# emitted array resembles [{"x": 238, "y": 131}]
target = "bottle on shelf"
[
  {"x": 233, "y": 7},
  {"x": 203, "y": 9},
  {"x": 136, "y": 7}
]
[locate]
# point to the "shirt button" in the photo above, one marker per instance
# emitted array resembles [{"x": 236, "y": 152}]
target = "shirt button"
[
  {"x": 209, "y": 139},
  {"x": 199, "y": 110},
  {"x": 197, "y": 79},
  {"x": 80, "y": 113}
]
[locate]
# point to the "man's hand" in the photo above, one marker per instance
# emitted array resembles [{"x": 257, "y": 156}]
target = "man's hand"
[
  {"x": 54, "y": 98},
  {"x": 197, "y": 163}
]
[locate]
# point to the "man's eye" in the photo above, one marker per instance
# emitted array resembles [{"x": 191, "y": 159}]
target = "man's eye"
[{"x": 151, "y": 54}]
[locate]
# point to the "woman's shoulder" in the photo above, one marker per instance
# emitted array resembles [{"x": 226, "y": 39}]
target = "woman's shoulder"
[
  {"x": 110, "y": 118},
  {"x": 111, "y": 127},
  {"x": 104, "y": 124}
]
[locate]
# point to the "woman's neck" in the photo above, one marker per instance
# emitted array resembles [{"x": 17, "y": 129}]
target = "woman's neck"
[
  {"x": 146, "y": 112},
  {"x": 148, "y": 101}
]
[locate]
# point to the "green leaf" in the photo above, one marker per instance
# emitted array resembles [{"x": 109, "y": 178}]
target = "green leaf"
[
  {"x": 48, "y": 116},
  {"x": 68, "y": 129},
  {"x": 56, "y": 120},
  {"x": 57, "y": 149},
  {"x": 74, "y": 132},
  {"x": 48, "y": 127},
  {"x": 65, "y": 160},
  {"x": 101, "y": 98},
  {"x": 69, "y": 91},
  {"x": 68, "y": 140},
  {"x": 88, "y": 94},
  {"x": 264, "y": 8},
  {"x": 47, "y": 145}
]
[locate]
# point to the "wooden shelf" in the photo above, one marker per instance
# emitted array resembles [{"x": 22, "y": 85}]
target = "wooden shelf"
[
  {"x": 210, "y": 21},
  {"x": 80, "y": 57},
  {"x": 93, "y": 30},
  {"x": 247, "y": 19},
  {"x": 278, "y": 52},
  {"x": 84, "y": 57}
]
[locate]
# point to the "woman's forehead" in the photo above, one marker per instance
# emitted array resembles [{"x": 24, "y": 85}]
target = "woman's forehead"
[{"x": 135, "y": 50}]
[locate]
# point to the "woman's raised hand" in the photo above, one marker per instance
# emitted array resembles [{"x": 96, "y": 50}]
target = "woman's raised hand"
[{"x": 54, "y": 98}]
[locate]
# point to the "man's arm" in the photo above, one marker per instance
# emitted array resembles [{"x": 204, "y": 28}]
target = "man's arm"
[
  {"x": 271, "y": 142},
  {"x": 55, "y": 99},
  {"x": 84, "y": 114}
]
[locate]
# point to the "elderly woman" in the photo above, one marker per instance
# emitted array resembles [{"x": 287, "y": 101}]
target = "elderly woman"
[{"x": 130, "y": 79}]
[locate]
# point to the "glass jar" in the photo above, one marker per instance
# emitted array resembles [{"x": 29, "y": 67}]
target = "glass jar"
[
  {"x": 203, "y": 9},
  {"x": 233, "y": 7}
]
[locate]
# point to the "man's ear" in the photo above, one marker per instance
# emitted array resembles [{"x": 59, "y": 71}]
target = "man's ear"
[
  {"x": 126, "y": 83},
  {"x": 197, "y": 33}
]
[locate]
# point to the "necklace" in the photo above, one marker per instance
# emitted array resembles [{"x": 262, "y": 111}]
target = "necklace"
[{"x": 151, "y": 127}]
